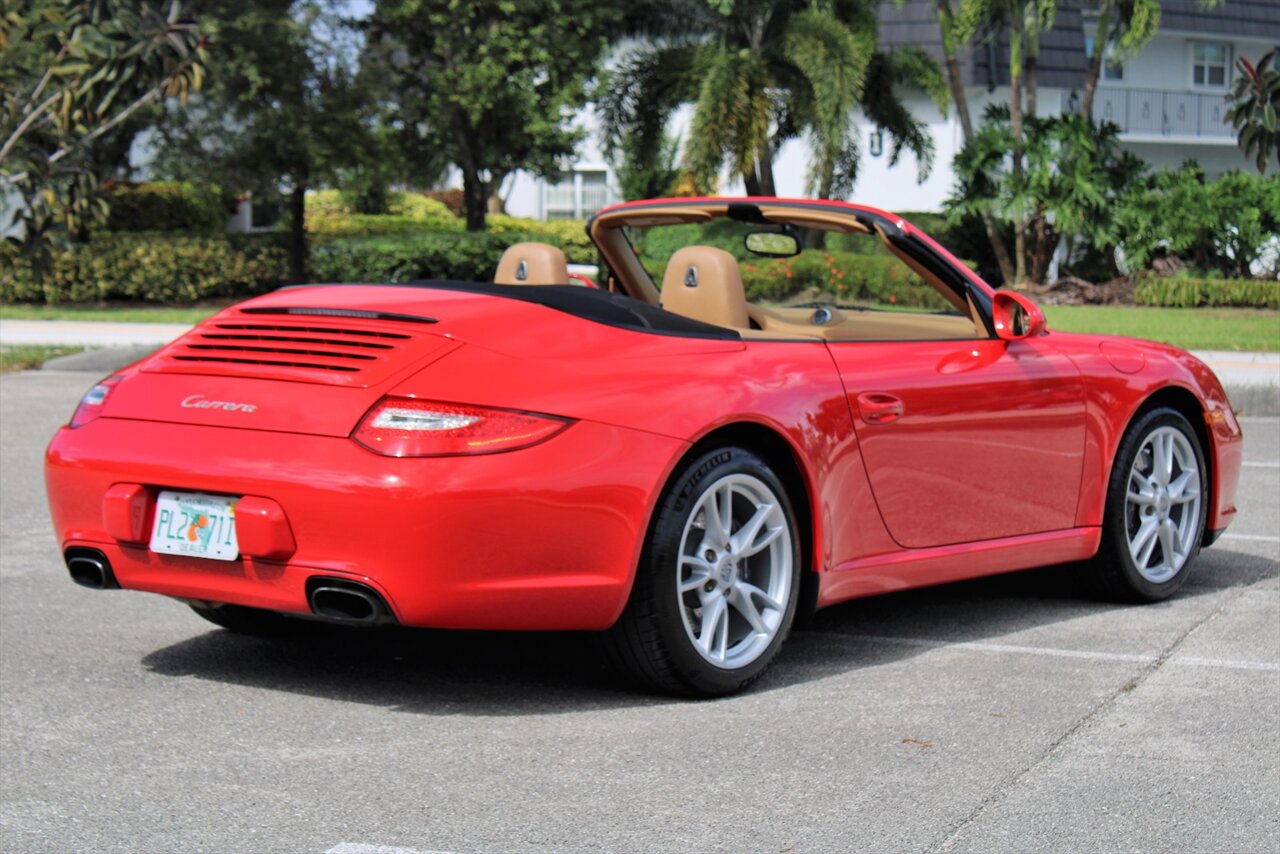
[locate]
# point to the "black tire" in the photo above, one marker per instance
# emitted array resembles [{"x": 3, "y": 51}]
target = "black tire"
[
  {"x": 248, "y": 621},
  {"x": 653, "y": 639},
  {"x": 1113, "y": 573}
]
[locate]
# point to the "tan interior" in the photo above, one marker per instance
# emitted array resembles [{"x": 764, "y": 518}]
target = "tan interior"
[
  {"x": 843, "y": 325},
  {"x": 704, "y": 283},
  {"x": 827, "y": 221},
  {"x": 532, "y": 264},
  {"x": 724, "y": 304}
]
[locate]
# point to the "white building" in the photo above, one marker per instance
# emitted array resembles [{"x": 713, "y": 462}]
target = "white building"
[{"x": 1168, "y": 101}]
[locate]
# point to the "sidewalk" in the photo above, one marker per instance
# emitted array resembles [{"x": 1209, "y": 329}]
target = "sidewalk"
[{"x": 1252, "y": 380}]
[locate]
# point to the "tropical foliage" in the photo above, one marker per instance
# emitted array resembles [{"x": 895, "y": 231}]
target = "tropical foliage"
[
  {"x": 758, "y": 73},
  {"x": 1222, "y": 225},
  {"x": 1071, "y": 175},
  {"x": 70, "y": 72},
  {"x": 1255, "y": 101}
]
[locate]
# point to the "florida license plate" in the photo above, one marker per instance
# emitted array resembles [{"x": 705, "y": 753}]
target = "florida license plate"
[{"x": 196, "y": 525}]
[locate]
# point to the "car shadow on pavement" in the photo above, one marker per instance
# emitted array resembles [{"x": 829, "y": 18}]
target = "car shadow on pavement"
[{"x": 432, "y": 672}]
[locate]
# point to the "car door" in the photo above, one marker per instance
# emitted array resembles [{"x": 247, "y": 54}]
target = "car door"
[{"x": 967, "y": 440}]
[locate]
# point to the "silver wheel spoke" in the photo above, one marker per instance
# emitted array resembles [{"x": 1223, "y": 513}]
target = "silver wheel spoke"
[
  {"x": 713, "y": 613},
  {"x": 1143, "y": 499},
  {"x": 717, "y": 519},
  {"x": 1164, "y": 458},
  {"x": 699, "y": 575},
  {"x": 742, "y": 601},
  {"x": 1168, "y": 543},
  {"x": 744, "y": 541},
  {"x": 1185, "y": 488},
  {"x": 757, "y": 593},
  {"x": 1144, "y": 542}
]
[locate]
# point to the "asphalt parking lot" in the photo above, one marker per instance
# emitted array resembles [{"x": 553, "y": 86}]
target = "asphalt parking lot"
[{"x": 1006, "y": 714}]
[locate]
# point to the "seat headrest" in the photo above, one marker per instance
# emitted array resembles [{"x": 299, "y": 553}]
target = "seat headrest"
[
  {"x": 532, "y": 264},
  {"x": 704, "y": 283}
]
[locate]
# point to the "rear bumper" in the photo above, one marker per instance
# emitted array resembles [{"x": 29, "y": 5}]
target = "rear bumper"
[{"x": 543, "y": 538}]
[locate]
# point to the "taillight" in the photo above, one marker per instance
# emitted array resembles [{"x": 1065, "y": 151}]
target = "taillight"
[
  {"x": 408, "y": 427},
  {"x": 91, "y": 404}
]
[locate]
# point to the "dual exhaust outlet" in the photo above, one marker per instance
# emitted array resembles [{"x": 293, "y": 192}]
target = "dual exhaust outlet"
[{"x": 331, "y": 599}]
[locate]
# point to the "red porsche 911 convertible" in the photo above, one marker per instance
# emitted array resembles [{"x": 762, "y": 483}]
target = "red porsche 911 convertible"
[{"x": 655, "y": 458}]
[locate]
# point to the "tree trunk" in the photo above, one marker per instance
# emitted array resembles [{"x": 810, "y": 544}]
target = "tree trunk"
[
  {"x": 946, "y": 23},
  {"x": 1100, "y": 38},
  {"x": 751, "y": 183},
  {"x": 475, "y": 192},
  {"x": 764, "y": 168},
  {"x": 1029, "y": 84},
  {"x": 298, "y": 233},
  {"x": 1015, "y": 124}
]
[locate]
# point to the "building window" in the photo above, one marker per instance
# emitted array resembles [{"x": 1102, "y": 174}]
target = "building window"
[
  {"x": 577, "y": 195},
  {"x": 1210, "y": 65},
  {"x": 1112, "y": 69}
]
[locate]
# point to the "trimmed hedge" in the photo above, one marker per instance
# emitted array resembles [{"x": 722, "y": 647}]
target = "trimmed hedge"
[
  {"x": 1178, "y": 292},
  {"x": 330, "y": 215},
  {"x": 165, "y": 206},
  {"x": 569, "y": 234},
  {"x": 464, "y": 256},
  {"x": 152, "y": 267}
]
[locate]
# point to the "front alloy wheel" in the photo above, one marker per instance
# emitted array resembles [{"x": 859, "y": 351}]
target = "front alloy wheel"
[{"x": 1157, "y": 503}]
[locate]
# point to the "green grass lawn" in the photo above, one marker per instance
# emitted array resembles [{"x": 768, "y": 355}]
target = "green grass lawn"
[
  {"x": 1190, "y": 328},
  {"x": 26, "y": 356},
  {"x": 127, "y": 313}
]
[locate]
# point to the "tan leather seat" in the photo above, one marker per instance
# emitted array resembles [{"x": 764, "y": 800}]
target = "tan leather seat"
[
  {"x": 532, "y": 264},
  {"x": 704, "y": 283}
]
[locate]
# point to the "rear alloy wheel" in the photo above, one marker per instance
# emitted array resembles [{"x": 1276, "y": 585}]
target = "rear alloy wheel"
[
  {"x": 717, "y": 586},
  {"x": 1156, "y": 509}
]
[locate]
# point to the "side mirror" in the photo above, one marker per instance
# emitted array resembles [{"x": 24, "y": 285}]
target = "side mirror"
[{"x": 1015, "y": 316}]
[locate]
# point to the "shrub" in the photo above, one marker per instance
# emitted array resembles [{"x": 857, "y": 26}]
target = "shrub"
[
  {"x": 165, "y": 206},
  {"x": 569, "y": 234},
  {"x": 330, "y": 215},
  {"x": 153, "y": 267},
  {"x": 455, "y": 200},
  {"x": 1182, "y": 292},
  {"x": 424, "y": 209},
  {"x": 463, "y": 256},
  {"x": 840, "y": 277},
  {"x": 1223, "y": 224}
]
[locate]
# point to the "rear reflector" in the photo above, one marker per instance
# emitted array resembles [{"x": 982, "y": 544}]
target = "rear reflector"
[{"x": 407, "y": 427}]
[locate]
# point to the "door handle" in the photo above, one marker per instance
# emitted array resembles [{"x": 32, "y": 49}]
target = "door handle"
[{"x": 878, "y": 407}]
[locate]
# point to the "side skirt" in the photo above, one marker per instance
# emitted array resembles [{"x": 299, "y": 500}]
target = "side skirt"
[{"x": 909, "y": 568}]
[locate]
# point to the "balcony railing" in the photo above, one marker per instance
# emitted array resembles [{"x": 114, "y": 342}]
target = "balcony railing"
[{"x": 1162, "y": 112}]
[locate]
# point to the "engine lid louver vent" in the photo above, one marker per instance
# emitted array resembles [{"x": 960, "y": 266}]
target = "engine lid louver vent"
[{"x": 310, "y": 350}]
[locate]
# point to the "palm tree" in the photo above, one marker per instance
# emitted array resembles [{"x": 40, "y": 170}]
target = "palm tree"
[{"x": 758, "y": 73}]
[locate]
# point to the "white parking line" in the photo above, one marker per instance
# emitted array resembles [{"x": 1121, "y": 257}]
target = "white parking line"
[
  {"x": 1258, "y": 538},
  {"x": 366, "y": 848},
  {"x": 1260, "y": 464},
  {"x": 1136, "y": 658}
]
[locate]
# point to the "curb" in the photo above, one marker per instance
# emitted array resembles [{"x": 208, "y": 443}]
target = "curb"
[{"x": 1254, "y": 400}]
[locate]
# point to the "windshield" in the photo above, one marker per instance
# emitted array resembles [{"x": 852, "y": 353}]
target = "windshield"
[{"x": 847, "y": 270}]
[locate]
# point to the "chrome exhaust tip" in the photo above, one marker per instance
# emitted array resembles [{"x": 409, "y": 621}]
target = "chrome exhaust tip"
[
  {"x": 90, "y": 568},
  {"x": 348, "y": 602}
]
